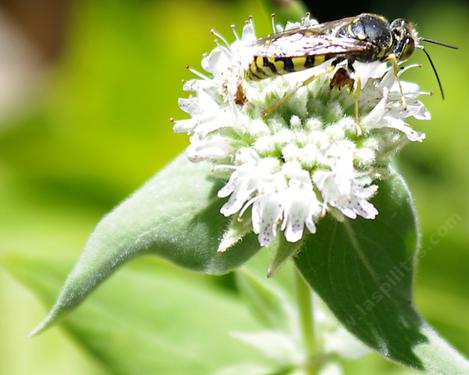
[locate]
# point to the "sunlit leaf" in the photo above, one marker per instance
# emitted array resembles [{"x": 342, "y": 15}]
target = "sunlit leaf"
[
  {"x": 149, "y": 320},
  {"x": 175, "y": 215},
  {"x": 267, "y": 302}
]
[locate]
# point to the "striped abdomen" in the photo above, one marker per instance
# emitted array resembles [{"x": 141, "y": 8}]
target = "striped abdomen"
[{"x": 262, "y": 67}]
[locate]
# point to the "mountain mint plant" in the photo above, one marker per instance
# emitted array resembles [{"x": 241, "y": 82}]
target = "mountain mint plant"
[
  {"x": 299, "y": 166},
  {"x": 292, "y": 167}
]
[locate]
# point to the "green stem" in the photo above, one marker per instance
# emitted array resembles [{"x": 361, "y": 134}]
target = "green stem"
[{"x": 305, "y": 311}]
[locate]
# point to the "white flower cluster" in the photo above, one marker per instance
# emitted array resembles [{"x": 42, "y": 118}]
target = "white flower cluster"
[{"x": 287, "y": 169}]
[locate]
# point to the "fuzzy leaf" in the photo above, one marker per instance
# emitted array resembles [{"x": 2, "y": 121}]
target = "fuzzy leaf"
[
  {"x": 149, "y": 319},
  {"x": 363, "y": 270},
  {"x": 175, "y": 215},
  {"x": 284, "y": 250}
]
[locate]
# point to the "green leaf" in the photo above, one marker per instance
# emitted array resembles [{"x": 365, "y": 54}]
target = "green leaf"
[
  {"x": 234, "y": 233},
  {"x": 363, "y": 270},
  {"x": 175, "y": 215},
  {"x": 150, "y": 318},
  {"x": 267, "y": 302},
  {"x": 284, "y": 250}
]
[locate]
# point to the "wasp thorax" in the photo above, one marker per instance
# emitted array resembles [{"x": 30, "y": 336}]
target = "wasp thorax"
[
  {"x": 373, "y": 29},
  {"x": 403, "y": 35}
]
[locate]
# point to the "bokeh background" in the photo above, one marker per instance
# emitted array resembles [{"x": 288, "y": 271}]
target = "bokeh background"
[{"x": 86, "y": 91}]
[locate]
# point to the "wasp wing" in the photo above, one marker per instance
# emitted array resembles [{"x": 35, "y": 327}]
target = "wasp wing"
[
  {"x": 326, "y": 28},
  {"x": 302, "y": 44}
]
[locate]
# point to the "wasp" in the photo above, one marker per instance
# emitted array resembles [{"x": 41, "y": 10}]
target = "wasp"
[{"x": 364, "y": 38}]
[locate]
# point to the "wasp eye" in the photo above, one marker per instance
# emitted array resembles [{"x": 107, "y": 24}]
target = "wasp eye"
[{"x": 408, "y": 49}]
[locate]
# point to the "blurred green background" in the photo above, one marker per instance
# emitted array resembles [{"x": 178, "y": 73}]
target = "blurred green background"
[{"x": 86, "y": 91}]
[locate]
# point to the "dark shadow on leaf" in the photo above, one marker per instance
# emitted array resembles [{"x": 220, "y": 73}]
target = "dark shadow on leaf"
[{"x": 363, "y": 269}]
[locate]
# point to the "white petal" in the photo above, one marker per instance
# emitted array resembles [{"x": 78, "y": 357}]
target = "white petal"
[
  {"x": 400, "y": 125},
  {"x": 292, "y": 25},
  {"x": 230, "y": 186},
  {"x": 294, "y": 225},
  {"x": 367, "y": 210},
  {"x": 215, "y": 148},
  {"x": 241, "y": 186},
  {"x": 375, "y": 116},
  {"x": 366, "y": 71},
  {"x": 310, "y": 224},
  {"x": 267, "y": 212},
  {"x": 184, "y": 126},
  {"x": 249, "y": 35},
  {"x": 348, "y": 212},
  {"x": 216, "y": 61},
  {"x": 189, "y": 105},
  {"x": 196, "y": 84}
]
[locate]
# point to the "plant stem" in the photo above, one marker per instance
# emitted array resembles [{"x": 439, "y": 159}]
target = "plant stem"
[{"x": 305, "y": 311}]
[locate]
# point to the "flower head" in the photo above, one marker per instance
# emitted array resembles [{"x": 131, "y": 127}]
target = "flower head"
[{"x": 291, "y": 152}]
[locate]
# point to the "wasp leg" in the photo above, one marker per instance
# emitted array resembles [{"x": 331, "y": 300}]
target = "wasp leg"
[
  {"x": 395, "y": 70},
  {"x": 358, "y": 91},
  {"x": 287, "y": 97},
  {"x": 340, "y": 79}
]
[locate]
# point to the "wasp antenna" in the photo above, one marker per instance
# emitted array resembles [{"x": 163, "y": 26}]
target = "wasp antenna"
[
  {"x": 235, "y": 33},
  {"x": 434, "y": 71},
  {"x": 439, "y": 43},
  {"x": 219, "y": 36},
  {"x": 272, "y": 17}
]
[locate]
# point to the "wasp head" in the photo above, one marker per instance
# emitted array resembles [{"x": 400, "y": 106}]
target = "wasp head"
[{"x": 404, "y": 38}]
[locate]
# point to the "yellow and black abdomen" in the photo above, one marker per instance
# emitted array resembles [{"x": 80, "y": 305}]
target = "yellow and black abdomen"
[{"x": 262, "y": 67}]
